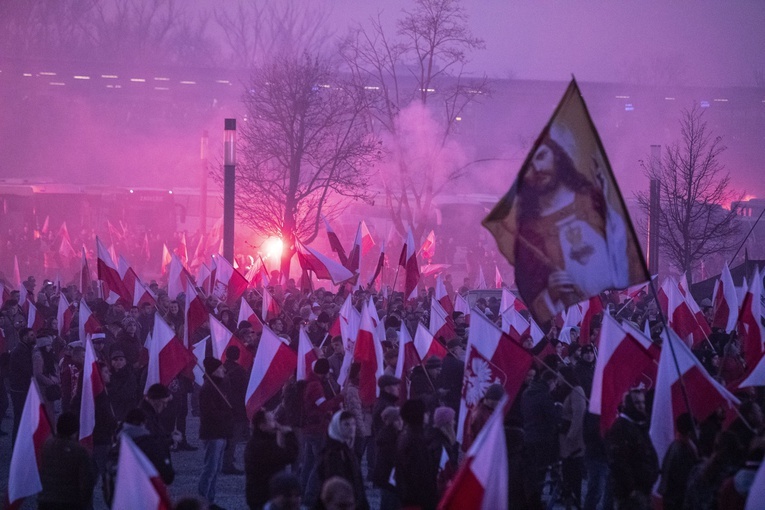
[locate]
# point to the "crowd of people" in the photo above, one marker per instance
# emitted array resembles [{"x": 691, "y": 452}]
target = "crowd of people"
[{"x": 316, "y": 445}]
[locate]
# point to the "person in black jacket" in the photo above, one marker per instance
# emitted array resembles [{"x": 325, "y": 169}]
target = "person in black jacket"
[
  {"x": 416, "y": 467},
  {"x": 631, "y": 455},
  {"x": 20, "y": 374},
  {"x": 385, "y": 445},
  {"x": 236, "y": 388},
  {"x": 271, "y": 448},
  {"x": 338, "y": 458},
  {"x": 678, "y": 463},
  {"x": 122, "y": 386},
  {"x": 215, "y": 426}
]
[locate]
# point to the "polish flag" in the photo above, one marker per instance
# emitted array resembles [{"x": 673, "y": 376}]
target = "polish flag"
[
  {"x": 181, "y": 250},
  {"x": 138, "y": 484},
  {"x": 623, "y": 363},
  {"x": 177, "y": 277},
  {"x": 23, "y": 298},
  {"x": 408, "y": 261},
  {"x": 428, "y": 248},
  {"x": 481, "y": 283},
  {"x": 750, "y": 327},
  {"x": 497, "y": 278},
  {"x": 35, "y": 319},
  {"x": 679, "y": 315},
  {"x": 367, "y": 243},
  {"x": 379, "y": 266},
  {"x": 88, "y": 324},
  {"x": 756, "y": 490},
  {"x": 167, "y": 355},
  {"x": 64, "y": 315},
  {"x": 461, "y": 305},
  {"x": 123, "y": 268},
  {"x": 199, "y": 350},
  {"x": 228, "y": 283},
  {"x": 354, "y": 257},
  {"x": 274, "y": 364},
  {"x": 257, "y": 274},
  {"x": 654, "y": 349},
  {"x": 204, "y": 277},
  {"x": 725, "y": 302},
  {"x": 322, "y": 266},
  {"x": 166, "y": 258},
  {"x": 349, "y": 319},
  {"x": 368, "y": 354},
  {"x": 306, "y": 355},
  {"x": 92, "y": 387},
  {"x": 334, "y": 242},
  {"x": 515, "y": 325},
  {"x": 510, "y": 300},
  {"x": 222, "y": 339},
  {"x": 85, "y": 277},
  {"x": 442, "y": 296},
  {"x": 481, "y": 482},
  {"x": 591, "y": 309},
  {"x": 426, "y": 344},
  {"x": 407, "y": 355},
  {"x": 441, "y": 323},
  {"x": 246, "y": 313},
  {"x": 270, "y": 308},
  {"x": 34, "y": 430},
  {"x": 491, "y": 357},
  {"x": 704, "y": 393},
  {"x": 141, "y": 294},
  {"x": 111, "y": 283},
  {"x": 702, "y": 330}
]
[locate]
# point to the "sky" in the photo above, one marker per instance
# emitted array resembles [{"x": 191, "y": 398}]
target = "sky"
[{"x": 712, "y": 42}]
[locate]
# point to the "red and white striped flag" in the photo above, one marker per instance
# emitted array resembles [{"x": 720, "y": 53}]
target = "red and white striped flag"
[
  {"x": 111, "y": 283},
  {"x": 35, "y": 319},
  {"x": 679, "y": 315},
  {"x": 257, "y": 275},
  {"x": 167, "y": 355},
  {"x": 334, "y": 243},
  {"x": 177, "y": 277},
  {"x": 750, "y": 328},
  {"x": 34, "y": 430},
  {"x": 428, "y": 248},
  {"x": 379, "y": 266},
  {"x": 349, "y": 320},
  {"x": 85, "y": 276},
  {"x": 408, "y": 260},
  {"x": 199, "y": 351},
  {"x": 181, "y": 250},
  {"x": 441, "y": 322},
  {"x": 270, "y": 308},
  {"x": 141, "y": 294},
  {"x": 64, "y": 315},
  {"x": 497, "y": 278},
  {"x": 461, "y": 305},
  {"x": 322, "y": 266},
  {"x": 274, "y": 364},
  {"x": 367, "y": 242},
  {"x": 228, "y": 283},
  {"x": 442, "y": 296},
  {"x": 725, "y": 302},
  {"x": 222, "y": 339},
  {"x": 138, "y": 484},
  {"x": 166, "y": 258},
  {"x": 306, "y": 355},
  {"x": 194, "y": 312},
  {"x": 368, "y": 354},
  {"x": 480, "y": 283},
  {"x": 88, "y": 324},
  {"x": 92, "y": 387},
  {"x": 481, "y": 482},
  {"x": 246, "y": 313},
  {"x": 407, "y": 354},
  {"x": 426, "y": 344},
  {"x": 204, "y": 277},
  {"x": 702, "y": 330}
]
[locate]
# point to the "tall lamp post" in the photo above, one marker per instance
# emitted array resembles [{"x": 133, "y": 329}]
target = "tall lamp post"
[
  {"x": 203, "y": 184},
  {"x": 229, "y": 170}
]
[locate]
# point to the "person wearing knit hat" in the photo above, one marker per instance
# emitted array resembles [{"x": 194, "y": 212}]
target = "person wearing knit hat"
[
  {"x": 443, "y": 438},
  {"x": 211, "y": 365},
  {"x": 215, "y": 426},
  {"x": 443, "y": 416}
]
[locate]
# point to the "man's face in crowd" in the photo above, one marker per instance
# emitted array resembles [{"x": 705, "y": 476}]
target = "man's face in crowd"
[
  {"x": 638, "y": 401},
  {"x": 337, "y": 346},
  {"x": 541, "y": 175}
]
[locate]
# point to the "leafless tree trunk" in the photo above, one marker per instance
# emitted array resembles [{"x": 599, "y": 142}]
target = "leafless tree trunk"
[{"x": 695, "y": 189}]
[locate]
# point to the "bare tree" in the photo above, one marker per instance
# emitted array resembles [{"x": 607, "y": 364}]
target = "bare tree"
[
  {"x": 422, "y": 65},
  {"x": 695, "y": 189},
  {"x": 305, "y": 149}
]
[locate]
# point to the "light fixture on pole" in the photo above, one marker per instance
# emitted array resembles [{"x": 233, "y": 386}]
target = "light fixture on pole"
[{"x": 229, "y": 171}]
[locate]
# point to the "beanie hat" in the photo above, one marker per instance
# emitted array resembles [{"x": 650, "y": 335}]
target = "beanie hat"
[
  {"x": 442, "y": 416},
  {"x": 211, "y": 365}
]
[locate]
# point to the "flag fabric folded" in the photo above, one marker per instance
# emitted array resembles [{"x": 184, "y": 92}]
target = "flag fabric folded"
[
  {"x": 35, "y": 319},
  {"x": 380, "y": 264},
  {"x": 679, "y": 315},
  {"x": 408, "y": 261},
  {"x": 64, "y": 315},
  {"x": 167, "y": 355},
  {"x": 111, "y": 282},
  {"x": 705, "y": 394},
  {"x": 334, "y": 243},
  {"x": 407, "y": 355},
  {"x": 480, "y": 283},
  {"x": 750, "y": 328},
  {"x": 441, "y": 322},
  {"x": 491, "y": 357},
  {"x": 426, "y": 344},
  {"x": 461, "y": 305},
  {"x": 222, "y": 339},
  {"x": 367, "y": 242},
  {"x": 246, "y": 313},
  {"x": 199, "y": 350},
  {"x": 481, "y": 482},
  {"x": 428, "y": 248},
  {"x": 138, "y": 484},
  {"x": 322, "y": 266},
  {"x": 564, "y": 221},
  {"x": 725, "y": 302},
  {"x": 368, "y": 354},
  {"x": 85, "y": 276},
  {"x": 702, "y": 329},
  {"x": 274, "y": 364},
  {"x": 88, "y": 324},
  {"x": 34, "y": 430},
  {"x": 442, "y": 296},
  {"x": 591, "y": 309},
  {"x": 228, "y": 283},
  {"x": 270, "y": 308},
  {"x": 349, "y": 320},
  {"x": 92, "y": 387},
  {"x": 497, "y": 278},
  {"x": 306, "y": 355}
]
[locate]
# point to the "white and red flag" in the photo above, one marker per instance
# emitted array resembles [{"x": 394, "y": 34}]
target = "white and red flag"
[
  {"x": 481, "y": 482},
  {"x": 167, "y": 355},
  {"x": 92, "y": 387},
  {"x": 379, "y": 266},
  {"x": 491, "y": 357},
  {"x": 34, "y": 430},
  {"x": 407, "y": 354},
  {"x": 679, "y": 315},
  {"x": 228, "y": 283},
  {"x": 461, "y": 305},
  {"x": 109, "y": 276},
  {"x": 322, "y": 266},
  {"x": 222, "y": 339},
  {"x": 306, "y": 355},
  {"x": 408, "y": 260},
  {"x": 426, "y": 344},
  {"x": 441, "y": 322},
  {"x": 428, "y": 248},
  {"x": 367, "y": 243},
  {"x": 349, "y": 320},
  {"x": 443, "y": 296},
  {"x": 199, "y": 350},
  {"x": 138, "y": 484},
  {"x": 270, "y": 309},
  {"x": 757, "y": 490},
  {"x": 750, "y": 328},
  {"x": 23, "y": 297},
  {"x": 85, "y": 276},
  {"x": 354, "y": 257},
  {"x": 166, "y": 258},
  {"x": 246, "y": 313},
  {"x": 705, "y": 394},
  {"x": 177, "y": 277},
  {"x": 334, "y": 243},
  {"x": 182, "y": 250},
  {"x": 35, "y": 319},
  {"x": 141, "y": 294},
  {"x": 725, "y": 302},
  {"x": 497, "y": 278},
  {"x": 88, "y": 324},
  {"x": 518, "y": 328},
  {"x": 590, "y": 309},
  {"x": 368, "y": 354},
  {"x": 480, "y": 283},
  {"x": 65, "y": 249},
  {"x": 204, "y": 277},
  {"x": 64, "y": 315},
  {"x": 274, "y": 364},
  {"x": 702, "y": 330},
  {"x": 257, "y": 275},
  {"x": 623, "y": 363},
  {"x": 509, "y": 300}
]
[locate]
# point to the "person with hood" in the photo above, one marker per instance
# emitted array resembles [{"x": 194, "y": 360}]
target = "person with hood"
[
  {"x": 215, "y": 426},
  {"x": 416, "y": 468},
  {"x": 631, "y": 455},
  {"x": 338, "y": 458},
  {"x": 271, "y": 448}
]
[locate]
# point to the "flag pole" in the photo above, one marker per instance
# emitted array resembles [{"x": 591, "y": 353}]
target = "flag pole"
[{"x": 217, "y": 388}]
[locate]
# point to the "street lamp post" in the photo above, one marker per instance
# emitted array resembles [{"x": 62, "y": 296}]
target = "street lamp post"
[
  {"x": 203, "y": 184},
  {"x": 229, "y": 170}
]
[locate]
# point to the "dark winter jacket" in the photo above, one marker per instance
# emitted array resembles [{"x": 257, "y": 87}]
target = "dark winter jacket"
[
  {"x": 122, "y": 390},
  {"x": 337, "y": 459},
  {"x": 66, "y": 474},
  {"x": 216, "y": 418},
  {"x": 385, "y": 458},
  {"x": 263, "y": 458},
  {"x": 631, "y": 457},
  {"x": 416, "y": 470}
]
